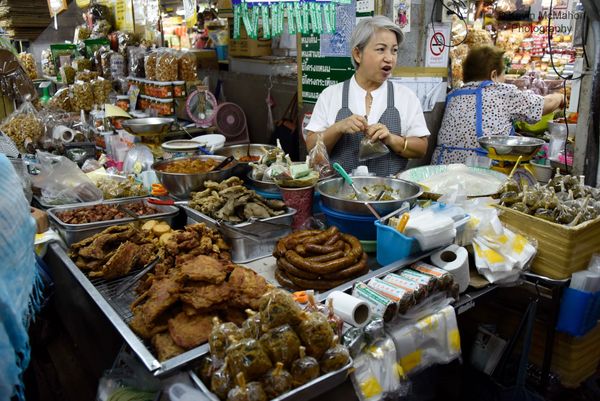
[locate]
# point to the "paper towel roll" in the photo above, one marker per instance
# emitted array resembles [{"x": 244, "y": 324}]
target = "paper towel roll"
[
  {"x": 63, "y": 133},
  {"x": 350, "y": 309},
  {"x": 455, "y": 260}
]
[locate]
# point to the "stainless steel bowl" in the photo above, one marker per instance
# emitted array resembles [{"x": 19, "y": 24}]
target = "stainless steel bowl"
[
  {"x": 336, "y": 194},
  {"x": 511, "y": 145},
  {"x": 264, "y": 186},
  {"x": 239, "y": 151},
  {"x": 181, "y": 185},
  {"x": 148, "y": 126}
]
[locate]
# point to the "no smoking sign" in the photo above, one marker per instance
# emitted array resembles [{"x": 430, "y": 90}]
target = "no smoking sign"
[{"x": 437, "y": 48}]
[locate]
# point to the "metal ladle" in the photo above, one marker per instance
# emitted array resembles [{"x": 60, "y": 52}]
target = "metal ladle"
[{"x": 359, "y": 195}]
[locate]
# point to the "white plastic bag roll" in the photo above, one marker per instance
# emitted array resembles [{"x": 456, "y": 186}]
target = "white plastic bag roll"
[
  {"x": 454, "y": 259},
  {"x": 350, "y": 309}
]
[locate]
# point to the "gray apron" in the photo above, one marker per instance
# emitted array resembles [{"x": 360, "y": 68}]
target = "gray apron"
[{"x": 345, "y": 151}]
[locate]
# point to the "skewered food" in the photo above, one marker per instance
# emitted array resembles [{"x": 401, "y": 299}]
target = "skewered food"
[
  {"x": 304, "y": 369},
  {"x": 277, "y": 381}
]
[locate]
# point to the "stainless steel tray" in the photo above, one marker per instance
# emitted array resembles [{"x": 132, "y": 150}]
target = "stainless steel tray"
[
  {"x": 118, "y": 312},
  {"x": 80, "y": 204},
  {"x": 306, "y": 392},
  {"x": 72, "y": 233},
  {"x": 250, "y": 240}
]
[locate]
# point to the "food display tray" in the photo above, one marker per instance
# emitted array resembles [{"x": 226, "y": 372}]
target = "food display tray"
[
  {"x": 45, "y": 205},
  {"x": 308, "y": 391},
  {"x": 72, "y": 233},
  {"x": 119, "y": 314},
  {"x": 250, "y": 240}
]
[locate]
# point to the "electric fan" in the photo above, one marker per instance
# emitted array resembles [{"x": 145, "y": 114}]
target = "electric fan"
[{"x": 231, "y": 122}]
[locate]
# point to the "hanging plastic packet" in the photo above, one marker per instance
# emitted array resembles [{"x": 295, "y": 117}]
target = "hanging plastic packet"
[
  {"x": 319, "y": 159},
  {"x": 246, "y": 19},
  {"x": 313, "y": 17},
  {"x": 371, "y": 150},
  {"x": 298, "y": 17},
  {"x": 280, "y": 19},
  {"x": 290, "y": 19},
  {"x": 304, "y": 9},
  {"x": 237, "y": 19},
  {"x": 255, "y": 20},
  {"x": 266, "y": 24},
  {"x": 329, "y": 13},
  {"x": 275, "y": 10},
  {"x": 319, "y": 17}
]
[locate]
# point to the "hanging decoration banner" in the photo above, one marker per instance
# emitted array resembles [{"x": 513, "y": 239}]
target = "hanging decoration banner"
[
  {"x": 191, "y": 16},
  {"x": 303, "y": 16}
]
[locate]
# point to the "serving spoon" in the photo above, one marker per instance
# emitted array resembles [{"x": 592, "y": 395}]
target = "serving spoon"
[{"x": 362, "y": 197}]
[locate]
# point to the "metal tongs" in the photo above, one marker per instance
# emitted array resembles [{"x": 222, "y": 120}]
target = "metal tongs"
[{"x": 131, "y": 281}]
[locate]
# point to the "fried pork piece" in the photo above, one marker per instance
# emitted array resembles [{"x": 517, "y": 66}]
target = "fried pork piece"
[
  {"x": 106, "y": 243},
  {"x": 247, "y": 287},
  {"x": 190, "y": 331},
  {"x": 148, "y": 330},
  {"x": 162, "y": 294},
  {"x": 205, "y": 296},
  {"x": 205, "y": 268},
  {"x": 146, "y": 253},
  {"x": 165, "y": 346},
  {"x": 126, "y": 257},
  {"x": 87, "y": 241}
]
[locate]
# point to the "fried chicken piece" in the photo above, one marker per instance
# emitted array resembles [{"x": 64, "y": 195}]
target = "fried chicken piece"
[
  {"x": 146, "y": 254},
  {"x": 205, "y": 268},
  {"x": 87, "y": 241},
  {"x": 162, "y": 294},
  {"x": 246, "y": 287},
  {"x": 120, "y": 263},
  {"x": 204, "y": 296},
  {"x": 165, "y": 346},
  {"x": 190, "y": 331}
]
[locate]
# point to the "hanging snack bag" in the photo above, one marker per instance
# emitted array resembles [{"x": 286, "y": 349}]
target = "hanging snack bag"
[
  {"x": 167, "y": 66},
  {"x": 187, "y": 67},
  {"x": 150, "y": 65},
  {"x": 24, "y": 127},
  {"x": 82, "y": 96},
  {"x": 63, "y": 54},
  {"x": 101, "y": 89}
]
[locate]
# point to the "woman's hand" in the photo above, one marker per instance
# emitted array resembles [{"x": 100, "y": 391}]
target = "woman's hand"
[
  {"x": 379, "y": 132},
  {"x": 352, "y": 124}
]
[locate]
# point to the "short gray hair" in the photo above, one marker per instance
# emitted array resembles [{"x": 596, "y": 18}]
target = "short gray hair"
[{"x": 367, "y": 27}]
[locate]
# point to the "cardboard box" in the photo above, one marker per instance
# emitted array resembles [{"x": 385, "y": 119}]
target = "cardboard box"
[{"x": 246, "y": 47}]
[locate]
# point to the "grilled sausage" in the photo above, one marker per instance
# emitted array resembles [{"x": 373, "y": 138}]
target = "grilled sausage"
[{"x": 355, "y": 270}]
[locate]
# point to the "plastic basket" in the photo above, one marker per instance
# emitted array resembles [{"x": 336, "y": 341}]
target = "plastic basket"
[
  {"x": 360, "y": 226},
  {"x": 392, "y": 245},
  {"x": 579, "y": 312}
]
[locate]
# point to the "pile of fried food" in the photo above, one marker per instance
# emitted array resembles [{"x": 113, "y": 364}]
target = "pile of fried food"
[
  {"x": 116, "y": 251},
  {"x": 231, "y": 201},
  {"x": 104, "y": 212},
  {"x": 273, "y": 351},
  {"x": 194, "y": 282},
  {"x": 190, "y": 166},
  {"x": 564, "y": 200},
  {"x": 320, "y": 260}
]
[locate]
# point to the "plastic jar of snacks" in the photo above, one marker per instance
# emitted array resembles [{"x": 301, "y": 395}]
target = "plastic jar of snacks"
[
  {"x": 163, "y": 107},
  {"x": 144, "y": 102},
  {"x": 150, "y": 88},
  {"x": 123, "y": 102},
  {"x": 163, "y": 90},
  {"x": 179, "y": 89}
]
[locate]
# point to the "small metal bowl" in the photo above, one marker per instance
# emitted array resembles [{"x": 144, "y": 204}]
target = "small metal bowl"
[
  {"x": 181, "y": 185},
  {"x": 511, "y": 145},
  {"x": 263, "y": 186},
  {"x": 336, "y": 194},
  {"x": 239, "y": 151},
  {"x": 148, "y": 126}
]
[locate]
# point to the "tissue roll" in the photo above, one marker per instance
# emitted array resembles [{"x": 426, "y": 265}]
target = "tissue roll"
[
  {"x": 350, "y": 309},
  {"x": 455, "y": 260},
  {"x": 63, "y": 133}
]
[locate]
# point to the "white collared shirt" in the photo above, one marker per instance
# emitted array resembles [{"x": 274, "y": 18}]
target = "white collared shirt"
[{"x": 405, "y": 101}]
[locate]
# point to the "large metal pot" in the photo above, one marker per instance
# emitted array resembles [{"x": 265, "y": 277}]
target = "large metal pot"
[
  {"x": 337, "y": 195},
  {"x": 239, "y": 151},
  {"x": 181, "y": 185}
]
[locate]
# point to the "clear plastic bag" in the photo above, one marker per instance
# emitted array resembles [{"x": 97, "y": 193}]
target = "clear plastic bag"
[
  {"x": 281, "y": 344},
  {"x": 167, "y": 66},
  {"x": 63, "y": 182},
  {"x": 187, "y": 67},
  {"x": 150, "y": 65},
  {"x": 319, "y": 158},
  {"x": 24, "y": 127},
  {"x": 371, "y": 150}
]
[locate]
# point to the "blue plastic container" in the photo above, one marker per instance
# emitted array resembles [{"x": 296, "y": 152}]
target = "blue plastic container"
[
  {"x": 361, "y": 227},
  {"x": 392, "y": 245},
  {"x": 579, "y": 312},
  {"x": 268, "y": 195}
]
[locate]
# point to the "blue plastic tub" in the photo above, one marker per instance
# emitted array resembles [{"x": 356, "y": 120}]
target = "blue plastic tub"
[
  {"x": 268, "y": 195},
  {"x": 361, "y": 227},
  {"x": 392, "y": 245},
  {"x": 579, "y": 312}
]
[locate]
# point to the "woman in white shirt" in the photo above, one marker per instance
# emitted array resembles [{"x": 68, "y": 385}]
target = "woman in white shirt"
[
  {"x": 370, "y": 104},
  {"x": 485, "y": 106}
]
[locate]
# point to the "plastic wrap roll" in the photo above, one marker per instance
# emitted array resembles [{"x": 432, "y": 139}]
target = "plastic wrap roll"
[{"x": 352, "y": 310}]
